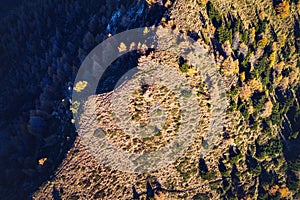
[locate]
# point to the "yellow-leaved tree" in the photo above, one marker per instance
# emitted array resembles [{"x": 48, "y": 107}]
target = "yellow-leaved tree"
[
  {"x": 255, "y": 85},
  {"x": 242, "y": 76},
  {"x": 230, "y": 66},
  {"x": 272, "y": 59},
  {"x": 245, "y": 92},
  {"x": 267, "y": 110},
  {"x": 283, "y": 9}
]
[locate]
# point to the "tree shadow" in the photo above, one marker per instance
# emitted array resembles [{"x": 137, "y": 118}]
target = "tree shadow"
[
  {"x": 221, "y": 166},
  {"x": 194, "y": 35},
  {"x": 150, "y": 191},
  {"x": 202, "y": 166},
  {"x": 236, "y": 182},
  {"x": 267, "y": 178},
  {"x": 45, "y": 44},
  {"x": 56, "y": 193},
  {"x": 297, "y": 32},
  {"x": 135, "y": 194},
  {"x": 158, "y": 190},
  {"x": 250, "y": 161},
  {"x": 233, "y": 151}
]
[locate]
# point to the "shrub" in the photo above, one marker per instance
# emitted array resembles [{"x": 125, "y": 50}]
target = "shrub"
[
  {"x": 80, "y": 85},
  {"x": 235, "y": 159},
  {"x": 184, "y": 67},
  {"x": 245, "y": 113},
  {"x": 207, "y": 175}
]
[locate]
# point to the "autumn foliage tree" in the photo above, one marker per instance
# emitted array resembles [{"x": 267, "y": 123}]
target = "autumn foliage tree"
[
  {"x": 245, "y": 92},
  {"x": 230, "y": 66},
  {"x": 283, "y": 9}
]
